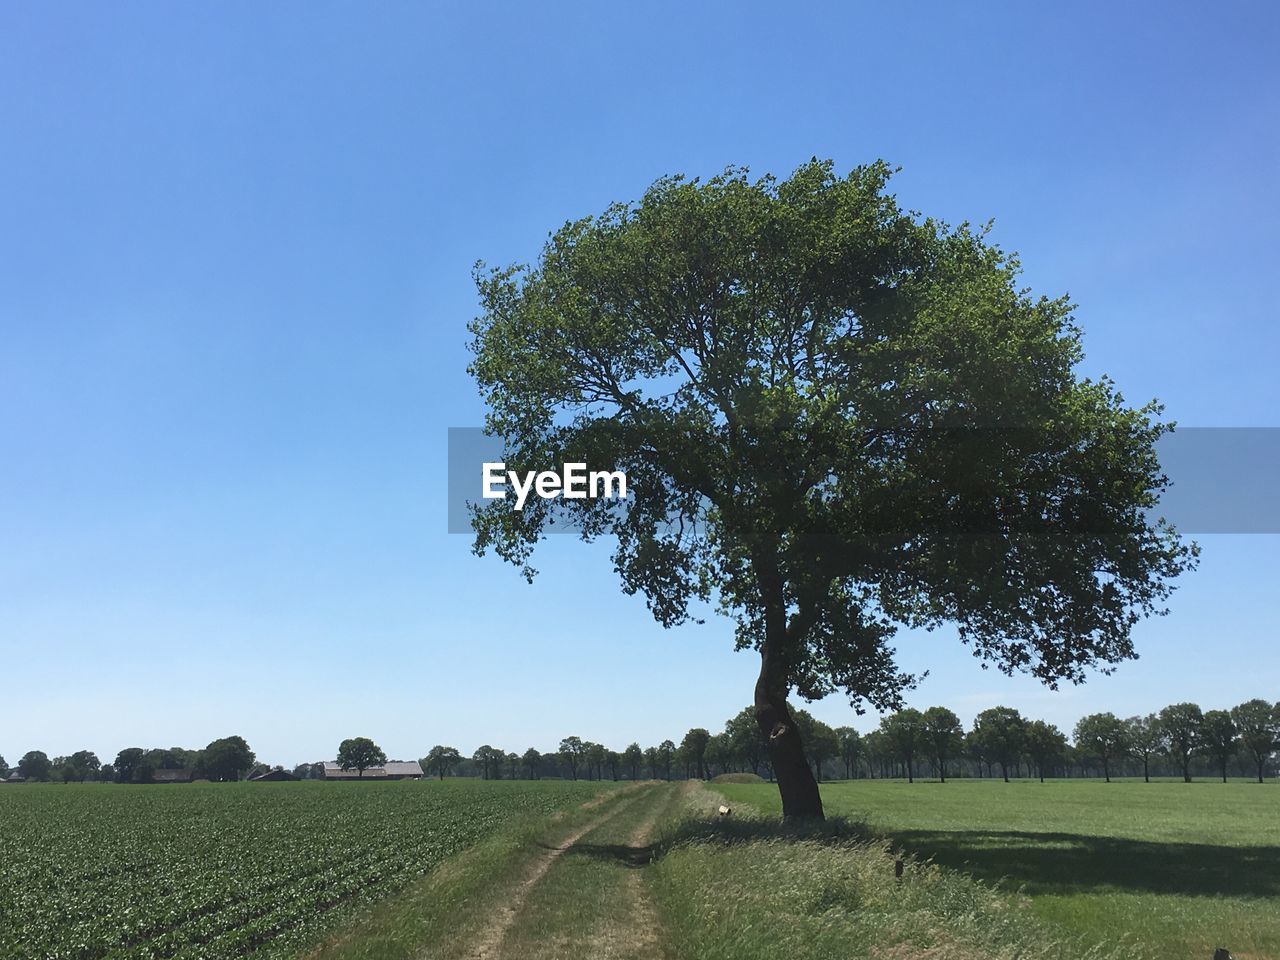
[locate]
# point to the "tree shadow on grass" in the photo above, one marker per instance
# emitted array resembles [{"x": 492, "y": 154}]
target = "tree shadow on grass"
[
  {"x": 749, "y": 829},
  {"x": 1063, "y": 863},
  {"x": 628, "y": 856},
  {"x": 725, "y": 831},
  {"x": 1036, "y": 862}
]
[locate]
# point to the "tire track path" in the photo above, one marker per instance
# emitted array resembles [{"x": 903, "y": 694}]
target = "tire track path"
[{"x": 491, "y": 943}]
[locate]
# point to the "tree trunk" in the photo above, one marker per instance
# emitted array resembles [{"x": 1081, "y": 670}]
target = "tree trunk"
[
  {"x": 799, "y": 789},
  {"x": 1260, "y": 766},
  {"x": 1146, "y": 770}
]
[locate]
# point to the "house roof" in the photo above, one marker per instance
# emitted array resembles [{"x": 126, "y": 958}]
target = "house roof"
[
  {"x": 392, "y": 768},
  {"x": 403, "y": 768},
  {"x": 334, "y": 771},
  {"x": 274, "y": 775}
]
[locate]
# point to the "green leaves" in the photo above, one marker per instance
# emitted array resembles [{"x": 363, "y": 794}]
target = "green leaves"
[
  {"x": 360, "y": 753},
  {"x": 838, "y": 418},
  {"x": 225, "y": 870}
]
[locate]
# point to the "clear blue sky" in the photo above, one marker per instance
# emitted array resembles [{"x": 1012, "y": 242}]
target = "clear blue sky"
[{"x": 235, "y": 245}]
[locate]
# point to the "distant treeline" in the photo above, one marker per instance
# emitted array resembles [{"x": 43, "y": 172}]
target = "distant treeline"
[
  {"x": 228, "y": 758},
  {"x": 1180, "y": 741}
]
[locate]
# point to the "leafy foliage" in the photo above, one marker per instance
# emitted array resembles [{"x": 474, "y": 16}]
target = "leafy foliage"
[
  {"x": 836, "y": 417},
  {"x": 360, "y": 753},
  {"x": 441, "y": 760},
  {"x": 219, "y": 871}
]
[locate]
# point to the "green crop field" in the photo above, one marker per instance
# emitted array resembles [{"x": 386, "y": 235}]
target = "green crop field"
[
  {"x": 222, "y": 870},
  {"x": 1172, "y": 869}
]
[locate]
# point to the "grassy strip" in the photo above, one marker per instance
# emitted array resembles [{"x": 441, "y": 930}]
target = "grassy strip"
[
  {"x": 440, "y": 915},
  {"x": 594, "y": 902},
  {"x": 747, "y": 887},
  {"x": 1174, "y": 869}
]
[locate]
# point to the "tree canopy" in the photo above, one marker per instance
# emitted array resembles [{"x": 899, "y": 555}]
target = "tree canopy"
[
  {"x": 35, "y": 765},
  {"x": 1180, "y": 725},
  {"x": 359, "y": 754},
  {"x": 1258, "y": 723},
  {"x": 441, "y": 760},
  {"x": 943, "y": 736},
  {"x": 1103, "y": 736},
  {"x": 228, "y": 758},
  {"x": 836, "y": 418}
]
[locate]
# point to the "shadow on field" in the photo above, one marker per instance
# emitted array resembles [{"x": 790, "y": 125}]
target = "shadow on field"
[
  {"x": 1039, "y": 863},
  {"x": 724, "y": 830},
  {"x": 617, "y": 853},
  {"x": 749, "y": 829},
  {"x": 1071, "y": 862}
]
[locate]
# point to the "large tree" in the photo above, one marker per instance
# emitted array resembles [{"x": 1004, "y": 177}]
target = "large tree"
[
  {"x": 904, "y": 733},
  {"x": 1180, "y": 725},
  {"x": 127, "y": 762},
  {"x": 1001, "y": 735},
  {"x": 877, "y": 753},
  {"x": 633, "y": 757},
  {"x": 532, "y": 761},
  {"x": 943, "y": 737},
  {"x": 1101, "y": 735},
  {"x": 35, "y": 765},
  {"x": 836, "y": 418},
  {"x": 1259, "y": 726},
  {"x": 694, "y": 747},
  {"x": 666, "y": 753},
  {"x": 490, "y": 760},
  {"x": 441, "y": 760},
  {"x": 850, "y": 750},
  {"x": 820, "y": 740},
  {"x": 228, "y": 758},
  {"x": 1219, "y": 739},
  {"x": 359, "y": 754},
  {"x": 1046, "y": 746},
  {"x": 595, "y": 756},
  {"x": 1144, "y": 736},
  {"x": 572, "y": 752},
  {"x": 652, "y": 759},
  {"x": 80, "y": 766},
  {"x": 745, "y": 742}
]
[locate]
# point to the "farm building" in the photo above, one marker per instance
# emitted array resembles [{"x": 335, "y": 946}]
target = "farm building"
[
  {"x": 172, "y": 776},
  {"x": 391, "y": 770},
  {"x": 272, "y": 775}
]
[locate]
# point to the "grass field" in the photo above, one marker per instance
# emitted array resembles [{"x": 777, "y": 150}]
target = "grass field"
[
  {"x": 653, "y": 873},
  {"x": 467, "y": 870},
  {"x": 1168, "y": 869},
  {"x": 224, "y": 870}
]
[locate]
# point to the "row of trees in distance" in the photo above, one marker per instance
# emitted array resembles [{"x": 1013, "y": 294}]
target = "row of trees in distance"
[
  {"x": 227, "y": 758},
  {"x": 1181, "y": 740}
]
